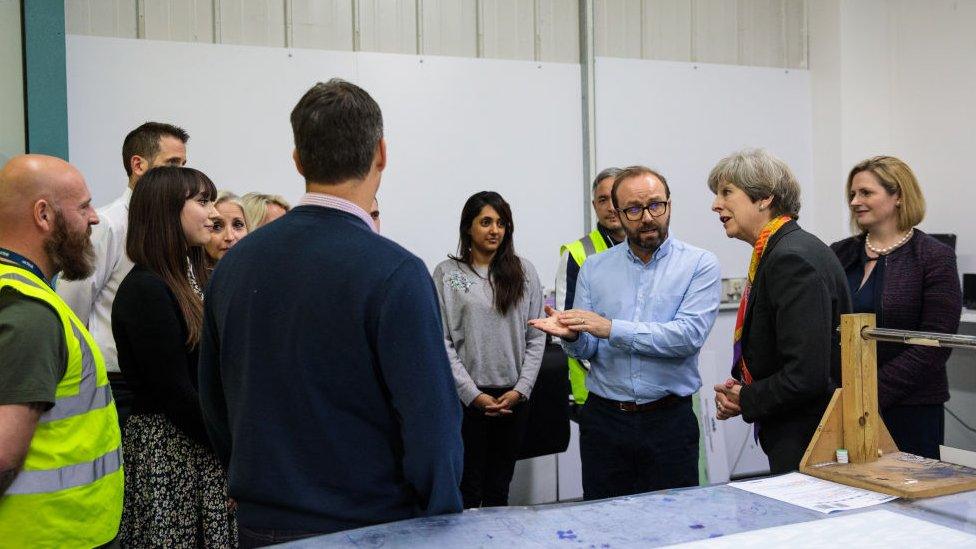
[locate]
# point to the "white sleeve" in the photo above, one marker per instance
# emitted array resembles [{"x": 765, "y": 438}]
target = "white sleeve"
[
  {"x": 561, "y": 281},
  {"x": 81, "y": 295}
]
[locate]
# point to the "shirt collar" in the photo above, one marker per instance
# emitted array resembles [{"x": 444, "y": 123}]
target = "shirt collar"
[
  {"x": 661, "y": 251},
  {"x": 334, "y": 202}
]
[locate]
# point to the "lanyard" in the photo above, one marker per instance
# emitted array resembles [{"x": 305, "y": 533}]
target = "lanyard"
[{"x": 22, "y": 261}]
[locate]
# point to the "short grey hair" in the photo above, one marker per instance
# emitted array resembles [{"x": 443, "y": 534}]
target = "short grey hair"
[
  {"x": 608, "y": 172},
  {"x": 760, "y": 174}
]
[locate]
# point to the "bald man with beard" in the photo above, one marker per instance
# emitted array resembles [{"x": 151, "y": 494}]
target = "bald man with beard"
[{"x": 60, "y": 458}]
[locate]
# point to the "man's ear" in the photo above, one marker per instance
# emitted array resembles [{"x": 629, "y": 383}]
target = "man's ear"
[
  {"x": 44, "y": 215},
  {"x": 298, "y": 162},
  {"x": 381, "y": 154},
  {"x": 138, "y": 165}
]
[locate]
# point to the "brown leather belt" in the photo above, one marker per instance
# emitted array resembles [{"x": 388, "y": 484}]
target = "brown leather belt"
[{"x": 623, "y": 406}]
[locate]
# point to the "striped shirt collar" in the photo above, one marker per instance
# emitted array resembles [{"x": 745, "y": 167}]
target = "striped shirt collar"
[{"x": 330, "y": 201}]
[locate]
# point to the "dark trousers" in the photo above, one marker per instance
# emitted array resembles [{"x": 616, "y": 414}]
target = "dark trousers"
[
  {"x": 627, "y": 453},
  {"x": 122, "y": 396},
  {"x": 249, "y": 538},
  {"x": 917, "y": 429},
  {"x": 491, "y": 445}
]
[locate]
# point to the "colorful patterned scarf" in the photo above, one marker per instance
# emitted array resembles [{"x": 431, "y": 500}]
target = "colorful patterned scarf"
[{"x": 738, "y": 361}]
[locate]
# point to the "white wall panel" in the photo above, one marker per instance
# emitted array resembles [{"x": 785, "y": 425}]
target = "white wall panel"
[
  {"x": 557, "y": 27},
  {"x": 666, "y": 30},
  {"x": 322, "y": 24},
  {"x": 252, "y": 22},
  {"x": 617, "y": 28},
  {"x": 745, "y": 32},
  {"x": 179, "y": 20},
  {"x": 449, "y": 27},
  {"x": 715, "y": 31},
  {"x": 101, "y": 17},
  {"x": 507, "y": 29},
  {"x": 762, "y": 40},
  {"x": 796, "y": 29},
  {"x": 388, "y": 26}
]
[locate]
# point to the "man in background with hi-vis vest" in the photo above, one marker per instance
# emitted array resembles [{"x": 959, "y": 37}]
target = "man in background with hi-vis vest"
[
  {"x": 608, "y": 233},
  {"x": 60, "y": 455}
]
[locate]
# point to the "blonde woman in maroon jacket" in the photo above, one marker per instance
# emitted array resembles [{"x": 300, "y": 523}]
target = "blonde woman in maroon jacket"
[{"x": 909, "y": 280}]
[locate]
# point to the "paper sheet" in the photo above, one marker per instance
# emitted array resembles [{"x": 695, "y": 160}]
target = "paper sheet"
[
  {"x": 812, "y": 493},
  {"x": 879, "y": 528}
]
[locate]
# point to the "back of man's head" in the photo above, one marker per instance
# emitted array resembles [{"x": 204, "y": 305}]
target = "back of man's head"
[
  {"x": 144, "y": 141},
  {"x": 337, "y": 127}
]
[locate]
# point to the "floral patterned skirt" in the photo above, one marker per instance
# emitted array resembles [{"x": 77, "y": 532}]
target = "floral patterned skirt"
[{"x": 175, "y": 489}]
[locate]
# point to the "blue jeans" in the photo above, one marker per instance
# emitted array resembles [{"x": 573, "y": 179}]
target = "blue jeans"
[{"x": 626, "y": 453}]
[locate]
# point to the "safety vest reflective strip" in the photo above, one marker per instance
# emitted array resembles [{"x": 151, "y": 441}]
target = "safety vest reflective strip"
[
  {"x": 89, "y": 397},
  {"x": 581, "y": 249}
]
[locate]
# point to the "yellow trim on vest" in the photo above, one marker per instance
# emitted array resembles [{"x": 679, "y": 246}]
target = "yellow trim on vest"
[
  {"x": 578, "y": 250},
  {"x": 76, "y": 440}
]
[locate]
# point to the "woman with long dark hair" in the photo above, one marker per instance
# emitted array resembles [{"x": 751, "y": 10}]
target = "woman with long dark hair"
[
  {"x": 175, "y": 489},
  {"x": 487, "y": 296}
]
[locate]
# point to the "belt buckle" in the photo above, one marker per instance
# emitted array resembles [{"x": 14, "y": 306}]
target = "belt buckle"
[{"x": 627, "y": 406}]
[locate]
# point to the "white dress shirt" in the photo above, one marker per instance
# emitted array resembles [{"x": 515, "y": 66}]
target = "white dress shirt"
[{"x": 91, "y": 299}]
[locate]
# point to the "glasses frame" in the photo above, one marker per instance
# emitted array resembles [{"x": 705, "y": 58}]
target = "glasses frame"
[{"x": 623, "y": 211}]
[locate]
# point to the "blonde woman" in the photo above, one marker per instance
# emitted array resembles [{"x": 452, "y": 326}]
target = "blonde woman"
[
  {"x": 909, "y": 280},
  {"x": 229, "y": 228},
  {"x": 261, "y": 209}
]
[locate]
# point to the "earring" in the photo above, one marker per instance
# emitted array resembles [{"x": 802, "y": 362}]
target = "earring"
[{"x": 761, "y": 208}]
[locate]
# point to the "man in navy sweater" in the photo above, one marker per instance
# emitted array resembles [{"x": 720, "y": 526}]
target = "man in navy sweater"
[{"x": 324, "y": 381}]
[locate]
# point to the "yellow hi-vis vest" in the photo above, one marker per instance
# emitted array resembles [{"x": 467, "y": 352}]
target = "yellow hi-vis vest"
[
  {"x": 583, "y": 248},
  {"x": 69, "y": 492}
]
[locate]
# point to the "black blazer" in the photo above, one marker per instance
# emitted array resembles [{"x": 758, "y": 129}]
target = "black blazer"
[{"x": 790, "y": 342}]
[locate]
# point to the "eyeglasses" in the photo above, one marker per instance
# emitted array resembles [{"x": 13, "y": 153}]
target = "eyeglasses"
[{"x": 635, "y": 213}]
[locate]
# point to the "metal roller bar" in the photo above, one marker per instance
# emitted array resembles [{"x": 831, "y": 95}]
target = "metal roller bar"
[{"x": 927, "y": 339}]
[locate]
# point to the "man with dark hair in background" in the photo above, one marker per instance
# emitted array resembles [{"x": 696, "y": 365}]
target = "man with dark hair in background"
[
  {"x": 151, "y": 144},
  {"x": 324, "y": 379}
]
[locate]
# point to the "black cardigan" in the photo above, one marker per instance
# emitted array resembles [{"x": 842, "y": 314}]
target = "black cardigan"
[
  {"x": 790, "y": 343},
  {"x": 150, "y": 335}
]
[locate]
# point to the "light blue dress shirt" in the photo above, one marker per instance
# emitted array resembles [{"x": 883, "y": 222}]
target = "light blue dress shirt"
[{"x": 661, "y": 313}]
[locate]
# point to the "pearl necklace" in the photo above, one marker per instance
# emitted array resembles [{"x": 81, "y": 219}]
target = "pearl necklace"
[{"x": 889, "y": 249}]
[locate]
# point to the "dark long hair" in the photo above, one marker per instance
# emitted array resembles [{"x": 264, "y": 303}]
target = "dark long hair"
[
  {"x": 505, "y": 274},
  {"x": 156, "y": 239}
]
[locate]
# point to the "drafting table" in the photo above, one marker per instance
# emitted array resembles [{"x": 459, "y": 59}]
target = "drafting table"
[{"x": 647, "y": 520}]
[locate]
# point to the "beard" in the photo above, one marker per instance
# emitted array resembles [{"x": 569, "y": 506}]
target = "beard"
[
  {"x": 644, "y": 241},
  {"x": 71, "y": 253}
]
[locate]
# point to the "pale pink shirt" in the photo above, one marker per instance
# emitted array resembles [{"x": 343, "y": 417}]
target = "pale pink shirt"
[{"x": 336, "y": 203}]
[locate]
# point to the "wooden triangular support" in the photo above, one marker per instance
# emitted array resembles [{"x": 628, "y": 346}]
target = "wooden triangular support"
[{"x": 852, "y": 422}]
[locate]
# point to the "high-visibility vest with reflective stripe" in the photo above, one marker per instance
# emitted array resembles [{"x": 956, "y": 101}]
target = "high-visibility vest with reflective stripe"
[
  {"x": 69, "y": 491},
  {"x": 581, "y": 249}
]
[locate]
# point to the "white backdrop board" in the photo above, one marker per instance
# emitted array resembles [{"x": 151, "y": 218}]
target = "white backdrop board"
[
  {"x": 453, "y": 126},
  {"x": 682, "y": 118}
]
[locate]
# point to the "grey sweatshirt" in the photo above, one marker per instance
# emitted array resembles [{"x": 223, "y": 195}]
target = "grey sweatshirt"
[{"x": 487, "y": 349}]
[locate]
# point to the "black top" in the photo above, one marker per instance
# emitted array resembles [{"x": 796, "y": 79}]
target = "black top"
[
  {"x": 865, "y": 298},
  {"x": 790, "y": 342},
  {"x": 150, "y": 335}
]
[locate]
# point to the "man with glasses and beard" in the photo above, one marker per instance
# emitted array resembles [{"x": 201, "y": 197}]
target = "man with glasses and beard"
[
  {"x": 60, "y": 457},
  {"x": 641, "y": 314}
]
